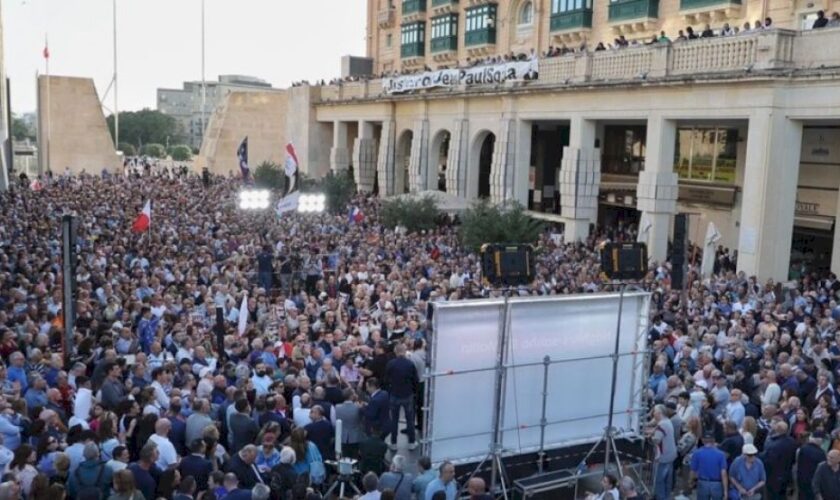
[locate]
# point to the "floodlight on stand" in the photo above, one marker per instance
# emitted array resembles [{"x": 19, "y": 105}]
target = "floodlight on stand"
[
  {"x": 312, "y": 203},
  {"x": 254, "y": 199}
]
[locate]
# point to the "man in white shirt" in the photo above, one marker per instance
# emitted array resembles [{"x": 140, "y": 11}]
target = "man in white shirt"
[
  {"x": 168, "y": 456},
  {"x": 772, "y": 392},
  {"x": 735, "y": 408},
  {"x": 160, "y": 378},
  {"x": 300, "y": 412}
]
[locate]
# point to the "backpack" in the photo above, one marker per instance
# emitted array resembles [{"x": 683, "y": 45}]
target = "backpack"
[{"x": 90, "y": 491}]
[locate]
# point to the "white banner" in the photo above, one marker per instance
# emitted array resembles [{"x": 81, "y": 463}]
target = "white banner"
[
  {"x": 287, "y": 203},
  {"x": 478, "y": 75}
]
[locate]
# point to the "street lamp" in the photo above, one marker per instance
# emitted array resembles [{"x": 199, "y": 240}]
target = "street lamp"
[
  {"x": 254, "y": 199},
  {"x": 312, "y": 203}
]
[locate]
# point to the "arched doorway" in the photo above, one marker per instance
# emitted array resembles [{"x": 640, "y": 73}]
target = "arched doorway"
[
  {"x": 439, "y": 160},
  {"x": 402, "y": 178},
  {"x": 485, "y": 164}
]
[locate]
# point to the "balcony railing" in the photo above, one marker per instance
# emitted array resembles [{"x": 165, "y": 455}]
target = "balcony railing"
[
  {"x": 444, "y": 44},
  {"x": 412, "y": 50},
  {"x": 385, "y": 17},
  {"x": 765, "y": 54},
  {"x": 441, "y": 3},
  {"x": 573, "y": 19},
  {"x": 707, "y": 4},
  {"x": 485, "y": 36},
  {"x": 413, "y": 6},
  {"x": 624, "y": 10}
]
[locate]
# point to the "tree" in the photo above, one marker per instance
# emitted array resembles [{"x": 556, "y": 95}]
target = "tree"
[
  {"x": 153, "y": 150},
  {"x": 413, "y": 214},
  {"x": 268, "y": 175},
  {"x": 180, "y": 152},
  {"x": 339, "y": 190},
  {"x": 20, "y": 130},
  {"x": 127, "y": 149},
  {"x": 484, "y": 222},
  {"x": 148, "y": 126}
]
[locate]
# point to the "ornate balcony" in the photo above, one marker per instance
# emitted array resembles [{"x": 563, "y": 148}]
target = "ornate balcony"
[
  {"x": 697, "y": 11},
  {"x": 628, "y": 16}
]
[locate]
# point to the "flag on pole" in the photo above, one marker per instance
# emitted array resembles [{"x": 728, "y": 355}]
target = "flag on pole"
[
  {"x": 243, "y": 315},
  {"x": 46, "y": 48},
  {"x": 242, "y": 155},
  {"x": 713, "y": 236},
  {"x": 144, "y": 220},
  {"x": 288, "y": 203},
  {"x": 356, "y": 216},
  {"x": 291, "y": 168}
]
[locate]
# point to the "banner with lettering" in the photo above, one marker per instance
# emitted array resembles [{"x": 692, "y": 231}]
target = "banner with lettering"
[{"x": 477, "y": 75}]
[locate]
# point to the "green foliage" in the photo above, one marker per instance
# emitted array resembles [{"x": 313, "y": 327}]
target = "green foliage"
[
  {"x": 20, "y": 130},
  {"x": 148, "y": 126},
  {"x": 127, "y": 149},
  {"x": 339, "y": 190},
  {"x": 153, "y": 150},
  {"x": 269, "y": 176},
  {"x": 484, "y": 222},
  {"x": 412, "y": 214},
  {"x": 180, "y": 152}
]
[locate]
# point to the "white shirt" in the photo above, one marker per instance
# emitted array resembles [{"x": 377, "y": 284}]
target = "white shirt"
[
  {"x": 301, "y": 417},
  {"x": 771, "y": 394},
  {"x": 161, "y": 398},
  {"x": 168, "y": 455}
]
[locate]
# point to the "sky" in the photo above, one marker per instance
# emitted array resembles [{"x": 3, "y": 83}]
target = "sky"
[{"x": 159, "y": 42}]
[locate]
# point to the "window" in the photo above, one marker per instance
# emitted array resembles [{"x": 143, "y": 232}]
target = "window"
[
  {"x": 414, "y": 33},
  {"x": 706, "y": 154},
  {"x": 526, "y": 13},
  {"x": 481, "y": 18},
  {"x": 445, "y": 26},
  {"x": 624, "y": 149},
  {"x": 561, "y": 6},
  {"x": 389, "y": 40}
]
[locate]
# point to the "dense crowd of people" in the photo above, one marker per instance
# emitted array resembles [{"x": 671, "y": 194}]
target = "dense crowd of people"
[{"x": 335, "y": 327}]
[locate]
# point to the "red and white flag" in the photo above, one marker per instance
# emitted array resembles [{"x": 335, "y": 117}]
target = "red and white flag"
[
  {"x": 242, "y": 325},
  {"x": 144, "y": 220},
  {"x": 46, "y": 49}
]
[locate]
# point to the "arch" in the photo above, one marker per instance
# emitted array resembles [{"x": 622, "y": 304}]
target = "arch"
[
  {"x": 402, "y": 161},
  {"x": 481, "y": 164},
  {"x": 439, "y": 160},
  {"x": 525, "y": 14}
]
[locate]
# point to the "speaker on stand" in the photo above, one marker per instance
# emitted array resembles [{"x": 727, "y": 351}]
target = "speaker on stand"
[{"x": 679, "y": 251}]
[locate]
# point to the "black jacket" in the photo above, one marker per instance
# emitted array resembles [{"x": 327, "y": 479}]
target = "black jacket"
[
  {"x": 401, "y": 377},
  {"x": 244, "y": 431},
  {"x": 198, "y": 467},
  {"x": 778, "y": 457},
  {"x": 247, "y": 475},
  {"x": 809, "y": 457}
]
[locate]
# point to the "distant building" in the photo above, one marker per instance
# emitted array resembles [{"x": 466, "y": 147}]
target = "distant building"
[{"x": 185, "y": 104}]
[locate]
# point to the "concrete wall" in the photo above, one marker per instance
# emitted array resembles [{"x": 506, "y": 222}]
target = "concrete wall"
[
  {"x": 72, "y": 130},
  {"x": 260, "y": 116}
]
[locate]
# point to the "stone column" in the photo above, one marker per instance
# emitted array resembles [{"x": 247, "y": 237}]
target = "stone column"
[
  {"x": 503, "y": 169},
  {"x": 658, "y": 186},
  {"x": 387, "y": 158},
  {"x": 579, "y": 181},
  {"x": 364, "y": 157},
  {"x": 456, "y": 165},
  {"x": 339, "y": 156},
  {"x": 771, "y": 175},
  {"x": 418, "y": 164}
]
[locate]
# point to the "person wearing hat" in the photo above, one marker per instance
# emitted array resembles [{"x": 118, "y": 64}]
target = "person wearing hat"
[
  {"x": 809, "y": 456},
  {"x": 708, "y": 470},
  {"x": 746, "y": 475}
]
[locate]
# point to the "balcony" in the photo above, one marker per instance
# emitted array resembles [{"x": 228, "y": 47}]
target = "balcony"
[
  {"x": 482, "y": 37},
  {"x": 572, "y": 20},
  {"x": 696, "y": 11},
  {"x": 413, "y": 7},
  {"x": 385, "y": 18},
  {"x": 628, "y": 16},
  {"x": 443, "y": 6},
  {"x": 412, "y": 50},
  {"x": 444, "y": 44}
]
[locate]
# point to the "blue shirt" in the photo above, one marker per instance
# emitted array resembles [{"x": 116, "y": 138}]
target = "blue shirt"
[
  {"x": 708, "y": 463},
  {"x": 747, "y": 477},
  {"x": 450, "y": 488},
  {"x": 18, "y": 373}
]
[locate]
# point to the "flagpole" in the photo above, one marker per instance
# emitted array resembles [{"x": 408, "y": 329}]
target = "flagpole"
[
  {"x": 203, "y": 78},
  {"x": 49, "y": 107},
  {"x": 116, "y": 87}
]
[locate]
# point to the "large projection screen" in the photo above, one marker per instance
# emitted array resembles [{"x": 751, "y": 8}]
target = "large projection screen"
[{"x": 576, "y": 332}]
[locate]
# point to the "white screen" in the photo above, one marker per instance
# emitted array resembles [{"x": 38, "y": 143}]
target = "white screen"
[{"x": 564, "y": 328}]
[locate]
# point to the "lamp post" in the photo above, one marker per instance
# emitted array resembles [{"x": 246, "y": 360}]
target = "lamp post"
[{"x": 203, "y": 78}]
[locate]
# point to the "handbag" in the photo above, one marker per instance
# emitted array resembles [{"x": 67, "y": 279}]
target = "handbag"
[{"x": 317, "y": 471}]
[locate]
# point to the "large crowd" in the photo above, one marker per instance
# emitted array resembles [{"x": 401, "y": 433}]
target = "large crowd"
[{"x": 336, "y": 328}]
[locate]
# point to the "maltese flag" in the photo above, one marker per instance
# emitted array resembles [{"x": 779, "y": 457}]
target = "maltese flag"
[
  {"x": 291, "y": 168},
  {"x": 144, "y": 220},
  {"x": 243, "y": 315}
]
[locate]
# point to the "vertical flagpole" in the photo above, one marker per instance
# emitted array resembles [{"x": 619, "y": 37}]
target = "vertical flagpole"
[
  {"x": 49, "y": 107},
  {"x": 116, "y": 89},
  {"x": 203, "y": 78}
]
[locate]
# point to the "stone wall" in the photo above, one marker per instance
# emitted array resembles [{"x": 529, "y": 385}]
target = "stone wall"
[
  {"x": 260, "y": 116},
  {"x": 73, "y": 134}
]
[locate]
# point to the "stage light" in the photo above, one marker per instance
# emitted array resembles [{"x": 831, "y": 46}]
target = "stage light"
[
  {"x": 254, "y": 199},
  {"x": 312, "y": 203}
]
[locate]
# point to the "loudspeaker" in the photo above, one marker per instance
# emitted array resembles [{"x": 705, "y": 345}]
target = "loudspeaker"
[
  {"x": 507, "y": 265},
  {"x": 69, "y": 226},
  {"x": 678, "y": 252},
  {"x": 624, "y": 261},
  {"x": 220, "y": 333}
]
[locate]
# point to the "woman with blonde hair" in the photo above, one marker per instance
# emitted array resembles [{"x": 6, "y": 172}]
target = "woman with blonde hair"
[
  {"x": 748, "y": 430},
  {"x": 124, "y": 487}
]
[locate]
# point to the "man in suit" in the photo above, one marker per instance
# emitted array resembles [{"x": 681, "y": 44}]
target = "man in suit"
[
  {"x": 402, "y": 381},
  {"x": 778, "y": 457},
  {"x": 234, "y": 492},
  {"x": 244, "y": 467},
  {"x": 377, "y": 410},
  {"x": 372, "y": 452},
  {"x": 320, "y": 432},
  {"x": 350, "y": 414},
  {"x": 196, "y": 465},
  {"x": 242, "y": 426}
]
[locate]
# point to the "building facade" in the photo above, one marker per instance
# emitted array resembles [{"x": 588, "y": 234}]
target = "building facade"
[{"x": 185, "y": 105}]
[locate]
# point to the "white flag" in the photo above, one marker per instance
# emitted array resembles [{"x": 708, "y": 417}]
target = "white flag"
[
  {"x": 243, "y": 314},
  {"x": 709, "y": 244},
  {"x": 288, "y": 203}
]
